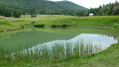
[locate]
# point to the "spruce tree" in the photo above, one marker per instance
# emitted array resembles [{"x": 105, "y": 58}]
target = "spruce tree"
[
  {"x": 16, "y": 14},
  {"x": 32, "y": 16}
]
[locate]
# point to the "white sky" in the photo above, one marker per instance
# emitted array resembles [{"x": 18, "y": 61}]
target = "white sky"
[{"x": 90, "y": 3}]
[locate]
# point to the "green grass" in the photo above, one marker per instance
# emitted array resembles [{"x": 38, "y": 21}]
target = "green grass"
[
  {"x": 98, "y": 21},
  {"x": 106, "y": 58},
  {"x": 60, "y": 20},
  {"x": 103, "y": 25}
]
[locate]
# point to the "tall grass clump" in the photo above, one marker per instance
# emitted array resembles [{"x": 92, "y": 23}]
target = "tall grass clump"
[
  {"x": 58, "y": 51},
  {"x": 4, "y": 22},
  {"x": 55, "y": 52}
]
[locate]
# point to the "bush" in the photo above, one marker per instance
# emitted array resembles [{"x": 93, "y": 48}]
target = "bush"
[
  {"x": 39, "y": 25},
  {"x": 116, "y": 25},
  {"x": 59, "y": 26},
  {"x": 34, "y": 15},
  {"x": 33, "y": 22}
]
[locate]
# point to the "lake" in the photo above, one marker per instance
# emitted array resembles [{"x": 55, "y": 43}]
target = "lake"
[{"x": 56, "y": 40}]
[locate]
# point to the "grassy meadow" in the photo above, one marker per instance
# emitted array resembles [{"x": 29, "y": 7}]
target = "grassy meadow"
[
  {"x": 58, "y": 21},
  {"x": 56, "y": 27}
]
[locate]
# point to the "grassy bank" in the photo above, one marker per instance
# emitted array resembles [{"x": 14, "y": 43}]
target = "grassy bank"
[
  {"x": 109, "y": 25},
  {"x": 58, "y": 21},
  {"x": 54, "y": 52},
  {"x": 107, "y": 58}
]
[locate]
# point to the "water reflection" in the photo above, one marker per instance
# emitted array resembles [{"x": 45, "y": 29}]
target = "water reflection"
[
  {"x": 83, "y": 44},
  {"x": 96, "y": 40}
]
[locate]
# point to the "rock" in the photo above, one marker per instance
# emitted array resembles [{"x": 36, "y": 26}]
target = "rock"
[{"x": 5, "y": 30}]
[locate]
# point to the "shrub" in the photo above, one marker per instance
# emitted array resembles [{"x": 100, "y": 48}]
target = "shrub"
[
  {"x": 116, "y": 25},
  {"x": 39, "y": 25},
  {"x": 33, "y": 22},
  {"x": 59, "y": 26}
]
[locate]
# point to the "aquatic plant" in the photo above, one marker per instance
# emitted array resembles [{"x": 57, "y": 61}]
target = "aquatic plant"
[{"x": 58, "y": 51}]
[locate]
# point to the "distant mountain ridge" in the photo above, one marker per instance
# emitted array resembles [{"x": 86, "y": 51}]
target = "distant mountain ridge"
[
  {"x": 70, "y": 5},
  {"x": 40, "y": 4},
  {"x": 9, "y": 8}
]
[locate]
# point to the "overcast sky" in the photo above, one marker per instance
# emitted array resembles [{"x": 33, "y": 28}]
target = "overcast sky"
[{"x": 90, "y": 3}]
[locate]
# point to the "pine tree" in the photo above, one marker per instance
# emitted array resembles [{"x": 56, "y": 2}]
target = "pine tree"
[
  {"x": 32, "y": 16},
  {"x": 116, "y": 10},
  {"x": 7, "y": 13},
  {"x": 16, "y": 14}
]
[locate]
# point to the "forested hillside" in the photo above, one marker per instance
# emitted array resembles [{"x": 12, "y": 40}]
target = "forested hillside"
[
  {"x": 109, "y": 9},
  {"x": 16, "y": 8},
  {"x": 39, "y": 6},
  {"x": 70, "y": 5}
]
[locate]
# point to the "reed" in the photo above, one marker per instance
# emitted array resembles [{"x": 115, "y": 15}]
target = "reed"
[{"x": 58, "y": 51}]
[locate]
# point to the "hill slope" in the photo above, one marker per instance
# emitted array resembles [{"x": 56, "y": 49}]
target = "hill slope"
[
  {"x": 30, "y": 5},
  {"x": 70, "y": 5}
]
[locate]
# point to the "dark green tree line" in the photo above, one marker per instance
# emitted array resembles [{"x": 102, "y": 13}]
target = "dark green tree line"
[
  {"x": 109, "y": 9},
  {"x": 15, "y": 8},
  {"x": 9, "y": 13}
]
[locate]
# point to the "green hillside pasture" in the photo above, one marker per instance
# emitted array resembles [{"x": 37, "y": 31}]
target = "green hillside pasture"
[{"x": 60, "y": 21}]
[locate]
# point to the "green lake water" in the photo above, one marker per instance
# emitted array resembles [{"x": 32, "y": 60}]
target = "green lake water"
[{"x": 34, "y": 37}]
